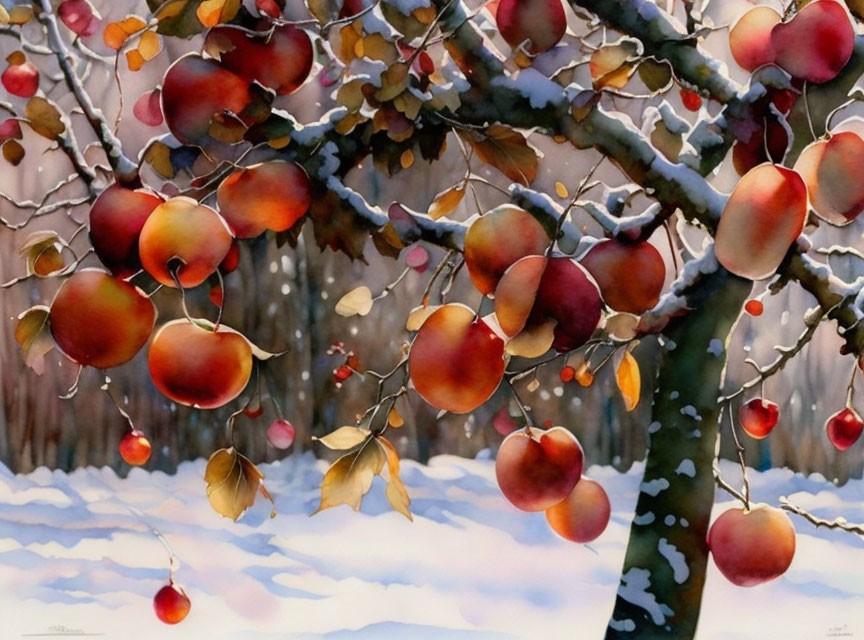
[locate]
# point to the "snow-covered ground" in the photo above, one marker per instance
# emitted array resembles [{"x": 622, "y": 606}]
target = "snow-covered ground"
[{"x": 73, "y": 557}]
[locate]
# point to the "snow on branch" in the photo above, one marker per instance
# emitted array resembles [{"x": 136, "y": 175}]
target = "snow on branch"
[{"x": 124, "y": 169}]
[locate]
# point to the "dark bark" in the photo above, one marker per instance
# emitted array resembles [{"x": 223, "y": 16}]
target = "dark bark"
[{"x": 664, "y": 568}]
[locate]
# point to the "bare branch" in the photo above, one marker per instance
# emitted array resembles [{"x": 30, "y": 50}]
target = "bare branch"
[
  {"x": 836, "y": 523},
  {"x": 125, "y": 171}
]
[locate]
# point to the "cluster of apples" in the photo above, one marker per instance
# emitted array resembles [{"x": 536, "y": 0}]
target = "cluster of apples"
[
  {"x": 457, "y": 359},
  {"x": 541, "y": 470},
  {"x": 767, "y": 210},
  {"x": 99, "y": 319},
  {"x": 196, "y": 89},
  {"x": 814, "y": 45}
]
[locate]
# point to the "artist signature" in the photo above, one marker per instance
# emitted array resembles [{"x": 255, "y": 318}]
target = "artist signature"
[
  {"x": 60, "y": 630},
  {"x": 839, "y": 631}
]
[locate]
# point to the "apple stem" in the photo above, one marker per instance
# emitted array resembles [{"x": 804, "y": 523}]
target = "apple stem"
[
  {"x": 740, "y": 450},
  {"x": 71, "y": 391},
  {"x": 807, "y": 111},
  {"x": 850, "y": 393},
  {"x": 174, "y": 269},
  {"x": 522, "y": 408},
  {"x": 106, "y": 387},
  {"x": 221, "y": 300},
  {"x": 172, "y": 557}
]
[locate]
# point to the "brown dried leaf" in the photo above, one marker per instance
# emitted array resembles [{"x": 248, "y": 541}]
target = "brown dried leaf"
[
  {"x": 446, "y": 202},
  {"x": 232, "y": 482},
  {"x": 507, "y": 150},
  {"x": 13, "y": 152},
  {"x": 44, "y": 118}
]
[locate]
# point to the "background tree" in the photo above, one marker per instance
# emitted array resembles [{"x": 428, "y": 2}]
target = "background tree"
[{"x": 250, "y": 161}]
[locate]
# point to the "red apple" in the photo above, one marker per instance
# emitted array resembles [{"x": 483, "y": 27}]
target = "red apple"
[
  {"x": 763, "y": 217},
  {"x": 543, "y": 22},
  {"x": 199, "y": 367},
  {"x": 583, "y": 515},
  {"x": 171, "y": 604},
  {"x": 630, "y": 276},
  {"x": 844, "y": 428},
  {"x": 752, "y": 547},
  {"x": 830, "y": 168},
  {"x": 816, "y": 43},
  {"x": 100, "y": 321},
  {"x": 750, "y": 37},
  {"x": 281, "y": 434},
  {"x": 537, "y": 469},
  {"x": 135, "y": 448},
  {"x": 116, "y": 219},
  {"x": 456, "y": 361},
  {"x": 758, "y": 417}
]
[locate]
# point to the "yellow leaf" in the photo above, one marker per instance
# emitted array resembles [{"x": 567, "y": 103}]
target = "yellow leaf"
[
  {"x": 396, "y": 493},
  {"x": 561, "y": 190},
  {"x": 406, "y": 159},
  {"x": 344, "y": 438},
  {"x": 149, "y": 45},
  {"x": 622, "y": 326},
  {"x": 158, "y": 156},
  {"x": 357, "y": 302},
  {"x": 20, "y": 14},
  {"x": 628, "y": 380},
  {"x": 213, "y": 12},
  {"x": 395, "y": 419},
  {"x": 533, "y": 342},
  {"x": 446, "y": 202},
  {"x": 533, "y": 385},
  {"x": 171, "y": 9},
  {"x": 358, "y": 49},
  {"x": 44, "y": 118},
  {"x": 232, "y": 482},
  {"x": 117, "y": 32},
  {"x": 33, "y": 335},
  {"x": 4, "y": 15},
  {"x": 350, "y": 477},
  {"x": 418, "y": 316}
]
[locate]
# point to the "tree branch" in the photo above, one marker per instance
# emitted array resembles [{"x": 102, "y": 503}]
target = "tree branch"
[{"x": 125, "y": 171}]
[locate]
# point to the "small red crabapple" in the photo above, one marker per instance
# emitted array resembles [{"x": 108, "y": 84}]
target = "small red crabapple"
[
  {"x": 691, "y": 100},
  {"x": 281, "y": 433},
  {"x": 567, "y": 373},
  {"x": 171, "y": 604},
  {"x": 342, "y": 373},
  {"x": 754, "y": 307},
  {"x": 135, "y": 448}
]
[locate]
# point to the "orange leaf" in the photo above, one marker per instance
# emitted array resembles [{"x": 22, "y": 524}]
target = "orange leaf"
[
  {"x": 117, "y": 32},
  {"x": 396, "y": 493},
  {"x": 629, "y": 381}
]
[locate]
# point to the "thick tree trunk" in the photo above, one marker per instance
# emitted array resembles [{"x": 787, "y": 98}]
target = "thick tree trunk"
[{"x": 664, "y": 568}]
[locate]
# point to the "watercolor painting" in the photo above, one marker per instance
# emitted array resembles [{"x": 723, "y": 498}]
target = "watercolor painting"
[{"x": 432, "y": 319}]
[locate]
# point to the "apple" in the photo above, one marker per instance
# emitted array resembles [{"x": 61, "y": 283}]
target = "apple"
[
  {"x": 750, "y": 37},
  {"x": 583, "y": 515},
  {"x": 281, "y": 433},
  {"x": 536, "y": 469},
  {"x": 543, "y": 22},
  {"x": 816, "y": 43},
  {"x": 630, "y": 276},
  {"x": 456, "y": 361},
  {"x": 135, "y": 448},
  {"x": 844, "y": 428},
  {"x": 498, "y": 239},
  {"x": 763, "y": 216},
  {"x": 187, "y": 233},
  {"x": 171, "y": 604},
  {"x": 100, "y": 321},
  {"x": 196, "y": 366},
  {"x": 752, "y": 547},
  {"x": 758, "y": 417},
  {"x": 830, "y": 169},
  {"x": 116, "y": 219}
]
